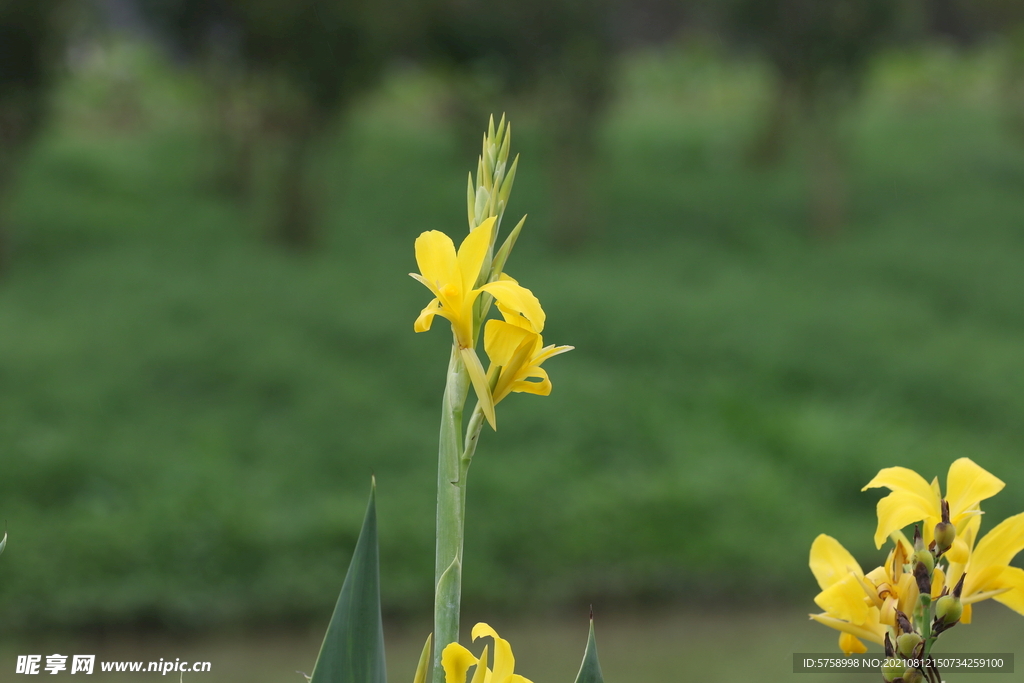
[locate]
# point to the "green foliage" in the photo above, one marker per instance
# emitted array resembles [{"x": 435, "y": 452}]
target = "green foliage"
[
  {"x": 353, "y": 648},
  {"x": 187, "y": 417}
]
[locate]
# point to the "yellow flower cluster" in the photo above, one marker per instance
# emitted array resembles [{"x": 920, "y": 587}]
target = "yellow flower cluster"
[
  {"x": 864, "y": 605},
  {"x": 514, "y": 345}
]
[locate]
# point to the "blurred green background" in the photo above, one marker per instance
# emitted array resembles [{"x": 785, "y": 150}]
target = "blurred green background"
[{"x": 784, "y": 236}]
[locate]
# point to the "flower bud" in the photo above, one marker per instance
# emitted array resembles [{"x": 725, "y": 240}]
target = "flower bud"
[
  {"x": 925, "y": 557},
  {"x": 948, "y": 610},
  {"x": 945, "y": 534},
  {"x": 913, "y": 676},
  {"x": 906, "y": 643},
  {"x": 923, "y": 578},
  {"x": 892, "y": 669}
]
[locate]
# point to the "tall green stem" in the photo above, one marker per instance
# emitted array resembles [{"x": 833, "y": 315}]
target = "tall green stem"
[{"x": 451, "y": 487}]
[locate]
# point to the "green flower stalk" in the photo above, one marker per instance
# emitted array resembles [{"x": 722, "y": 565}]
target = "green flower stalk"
[{"x": 465, "y": 283}]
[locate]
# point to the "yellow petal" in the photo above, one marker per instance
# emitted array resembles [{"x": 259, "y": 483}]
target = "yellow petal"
[
  {"x": 513, "y": 317},
  {"x": 967, "y": 484},
  {"x": 518, "y": 366},
  {"x": 908, "y": 593},
  {"x": 873, "y": 632},
  {"x": 515, "y": 297},
  {"x": 504, "y": 662},
  {"x": 959, "y": 552},
  {"x": 899, "y": 509},
  {"x": 424, "y": 664},
  {"x": 501, "y": 339},
  {"x": 850, "y": 644},
  {"x": 844, "y": 600},
  {"x": 550, "y": 352},
  {"x": 1013, "y": 578},
  {"x": 938, "y": 580},
  {"x": 965, "y": 618},
  {"x": 479, "y": 381},
  {"x": 830, "y": 561},
  {"x": 456, "y": 661},
  {"x": 902, "y": 479},
  {"x": 1001, "y": 544},
  {"x": 426, "y": 316},
  {"x": 481, "y": 673},
  {"x": 435, "y": 256},
  {"x": 541, "y": 388},
  {"x": 887, "y": 614},
  {"x": 472, "y": 253}
]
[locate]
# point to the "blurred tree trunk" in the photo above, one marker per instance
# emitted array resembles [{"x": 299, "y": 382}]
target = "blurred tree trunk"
[
  {"x": 576, "y": 97},
  {"x": 20, "y": 114},
  {"x": 304, "y": 126},
  {"x": 826, "y": 162},
  {"x": 769, "y": 145},
  {"x": 1013, "y": 89},
  {"x": 236, "y": 118},
  {"x": 295, "y": 224}
]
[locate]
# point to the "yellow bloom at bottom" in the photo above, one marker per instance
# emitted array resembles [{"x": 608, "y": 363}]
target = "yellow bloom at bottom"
[{"x": 457, "y": 661}]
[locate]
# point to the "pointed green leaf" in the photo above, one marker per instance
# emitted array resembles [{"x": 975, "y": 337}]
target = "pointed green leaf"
[
  {"x": 498, "y": 264},
  {"x": 590, "y": 671},
  {"x": 504, "y": 145},
  {"x": 423, "y": 668},
  {"x": 506, "y": 186},
  {"x": 353, "y": 648},
  {"x": 3, "y": 543},
  {"x": 470, "y": 201}
]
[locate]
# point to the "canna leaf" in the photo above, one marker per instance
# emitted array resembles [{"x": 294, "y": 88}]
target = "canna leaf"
[
  {"x": 590, "y": 670},
  {"x": 353, "y": 648}
]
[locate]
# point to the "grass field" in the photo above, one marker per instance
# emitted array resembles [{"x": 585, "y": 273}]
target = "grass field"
[{"x": 190, "y": 416}]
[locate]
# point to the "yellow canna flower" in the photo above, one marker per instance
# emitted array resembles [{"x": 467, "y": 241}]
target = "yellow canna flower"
[
  {"x": 989, "y": 574},
  {"x": 452, "y": 278},
  {"x": 516, "y": 353},
  {"x": 914, "y": 500},
  {"x": 862, "y": 605},
  {"x": 457, "y": 661}
]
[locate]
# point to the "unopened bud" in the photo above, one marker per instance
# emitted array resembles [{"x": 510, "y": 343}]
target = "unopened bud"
[
  {"x": 926, "y": 558},
  {"x": 923, "y": 578},
  {"x": 918, "y": 541},
  {"x": 913, "y": 676},
  {"x": 892, "y": 669},
  {"x": 948, "y": 610},
  {"x": 945, "y": 534},
  {"x": 906, "y": 643},
  {"x": 903, "y": 622}
]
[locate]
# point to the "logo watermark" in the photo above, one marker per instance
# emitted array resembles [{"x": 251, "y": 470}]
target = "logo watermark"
[{"x": 86, "y": 664}]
